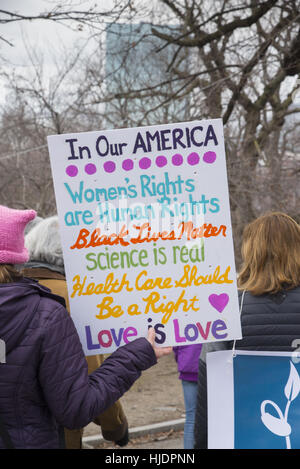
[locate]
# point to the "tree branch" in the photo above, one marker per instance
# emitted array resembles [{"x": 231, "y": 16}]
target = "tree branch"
[{"x": 224, "y": 29}]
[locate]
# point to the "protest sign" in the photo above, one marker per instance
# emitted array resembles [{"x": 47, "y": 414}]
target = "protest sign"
[
  {"x": 253, "y": 400},
  {"x": 146, "y": 234}
]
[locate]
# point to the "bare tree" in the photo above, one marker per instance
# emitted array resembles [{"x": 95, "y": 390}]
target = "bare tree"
[
  {"x": 70, "y": 14},
  {"x": 39, "y": 103},
  {"x": 242, "y": 58}
]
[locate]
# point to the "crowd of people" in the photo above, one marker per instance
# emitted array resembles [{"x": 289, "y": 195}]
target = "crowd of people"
[{"x": 49, "y": 391}]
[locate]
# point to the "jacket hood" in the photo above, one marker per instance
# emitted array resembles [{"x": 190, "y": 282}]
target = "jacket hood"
[{"x": 18, "y": 304}]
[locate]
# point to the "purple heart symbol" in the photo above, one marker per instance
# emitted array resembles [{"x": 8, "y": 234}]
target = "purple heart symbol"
[{"x": 219, "y": 302}]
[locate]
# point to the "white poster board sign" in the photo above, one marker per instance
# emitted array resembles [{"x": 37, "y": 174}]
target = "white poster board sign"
[
  {"x": 253, "y": 400},
  {"x": 146, "y": 233}
]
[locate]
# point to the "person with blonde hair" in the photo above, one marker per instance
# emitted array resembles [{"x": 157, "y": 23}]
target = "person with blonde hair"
[
  {"x": 271, "y": 255},
  {"x": 45, "y": 384},
  {"x": 269, "y": 295}
]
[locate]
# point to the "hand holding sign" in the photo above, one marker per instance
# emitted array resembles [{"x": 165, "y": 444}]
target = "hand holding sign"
[{"x": 159, "y": 351}]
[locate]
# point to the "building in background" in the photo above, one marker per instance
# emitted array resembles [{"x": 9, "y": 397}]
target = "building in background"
[{"x": 142, "y": 87}]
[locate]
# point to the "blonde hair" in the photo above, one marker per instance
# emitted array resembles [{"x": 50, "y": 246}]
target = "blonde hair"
[
  {"x": 8, "y": 273},
  {"x": 271, "y": 254}
]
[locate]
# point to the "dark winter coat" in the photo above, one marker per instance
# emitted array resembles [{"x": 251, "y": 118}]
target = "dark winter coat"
[
  {"x": 113, "y": 421},
  {"x": 44, "y": 383},
  {"x": 269, "y": 323}
]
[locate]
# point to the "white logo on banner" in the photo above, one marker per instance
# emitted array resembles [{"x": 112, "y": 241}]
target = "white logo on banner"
[{"x": 279, "y": 425}]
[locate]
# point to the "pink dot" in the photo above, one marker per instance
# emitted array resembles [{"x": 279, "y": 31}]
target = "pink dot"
[
  {"x": 90, "y": 168},
  {"x": 72, "y": 170},
  {"x": 177, "y": 159},
  {"x": 109, "y": 166},
  {"x": 127, "y": 165},
  {"x": 209, "y": 157},
  {"x": 193, "y": 158},
  {"x": 145, "y": 163},
  {"x": 161, "y": 161}
]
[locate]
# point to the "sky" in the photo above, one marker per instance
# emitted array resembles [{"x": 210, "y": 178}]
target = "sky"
[
  {"x": 42, "y": 34},
  {"x": 44, "y": 37}
]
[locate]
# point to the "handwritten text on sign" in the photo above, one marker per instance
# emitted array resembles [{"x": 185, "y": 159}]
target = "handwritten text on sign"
[{"x": 146, "y": 234}]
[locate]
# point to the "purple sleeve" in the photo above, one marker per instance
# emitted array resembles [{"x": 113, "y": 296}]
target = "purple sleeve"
[
  {"x": 187, "y": 357},
  {"x": 74, "y": 397}
]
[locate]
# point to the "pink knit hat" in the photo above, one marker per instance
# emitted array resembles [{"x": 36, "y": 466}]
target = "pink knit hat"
[{"x": 12, "y": 225}]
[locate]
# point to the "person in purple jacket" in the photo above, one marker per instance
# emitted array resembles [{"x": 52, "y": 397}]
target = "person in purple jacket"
[
  {"x": 187, "y": 358},
  {"x": 44, "y": 381}
]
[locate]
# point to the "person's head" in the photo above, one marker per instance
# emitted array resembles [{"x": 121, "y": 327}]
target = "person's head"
[
  {"x": 43, "y": 242},
  {"x": 12, "y": 248},
  {"x": 271, "y": 254}
]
